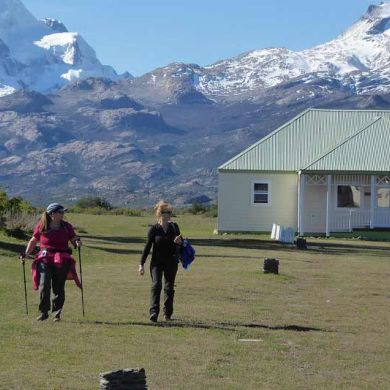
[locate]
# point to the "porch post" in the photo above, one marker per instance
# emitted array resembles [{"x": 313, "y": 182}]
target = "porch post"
[
  {"x": 301, "y": 203},
  {"x": 372, "y": 201},
  {"x": 328, "y": 204}
]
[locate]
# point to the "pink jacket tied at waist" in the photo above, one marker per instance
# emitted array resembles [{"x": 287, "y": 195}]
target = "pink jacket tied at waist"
[{"x": 58, "y": 259}]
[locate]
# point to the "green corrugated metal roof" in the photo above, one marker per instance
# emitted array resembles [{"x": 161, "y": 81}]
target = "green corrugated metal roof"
[
  {"x": 367, "y": 150},
  {"x": 324, "y": 140}
]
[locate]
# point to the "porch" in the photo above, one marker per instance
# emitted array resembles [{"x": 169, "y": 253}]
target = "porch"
[{"x": 341, "y": 203}]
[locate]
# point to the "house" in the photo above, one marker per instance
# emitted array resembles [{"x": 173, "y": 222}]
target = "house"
[{"x": 324, "y": 171}]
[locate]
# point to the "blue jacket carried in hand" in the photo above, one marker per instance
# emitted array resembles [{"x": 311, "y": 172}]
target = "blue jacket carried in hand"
[{"x": 187, "y": 254}]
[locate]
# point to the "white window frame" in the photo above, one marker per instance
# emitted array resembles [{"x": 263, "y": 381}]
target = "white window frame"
[
  {"x": 361, "y": 197},
  {"x": 379, "y": 187},
  {"x": 252, "y": 192}
]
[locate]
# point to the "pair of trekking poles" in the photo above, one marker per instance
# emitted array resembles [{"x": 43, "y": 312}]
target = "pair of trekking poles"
[{"x": 81, "y": 281}]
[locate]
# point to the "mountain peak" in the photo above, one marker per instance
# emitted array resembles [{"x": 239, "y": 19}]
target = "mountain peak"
[
  {"x": 55, "y": 25},
  {"x": 377, "y": 19},
  {"x": 42, "y": 54},
  {"x": 379, "y": 11}
]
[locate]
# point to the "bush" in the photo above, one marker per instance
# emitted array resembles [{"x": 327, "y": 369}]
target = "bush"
[
  {"x": 212, "y": 211},
  {"x": 16, "y": 215},
  {"x": 127, "y": 212},
  {"x": 16, "y": 204},
  {"x": 18, "y": 224},
  {"x": 197, "y": 208},
  {"x": 90, "y": 202},
  {"x": 103, "y": 211}
]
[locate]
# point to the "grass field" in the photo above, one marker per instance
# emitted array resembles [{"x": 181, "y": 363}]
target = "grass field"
[{"x": 322, "y": 323}]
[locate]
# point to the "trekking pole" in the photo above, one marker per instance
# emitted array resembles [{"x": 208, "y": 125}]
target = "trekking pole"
[
  {"x": 22, "y": 258},
  {"x": 81, "y": 279}
]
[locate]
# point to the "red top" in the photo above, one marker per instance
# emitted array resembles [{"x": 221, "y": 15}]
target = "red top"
[{"x": 55, "y": 239}]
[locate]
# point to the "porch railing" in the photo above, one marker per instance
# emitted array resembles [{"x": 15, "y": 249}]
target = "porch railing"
[
  {"x": 359, "y": 219},
  {"x": 352, "y": 219},
  {"x": 382, "y": 217}
]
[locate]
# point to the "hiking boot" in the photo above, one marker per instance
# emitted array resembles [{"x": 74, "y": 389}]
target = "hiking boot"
[
  {"x": 57, "y": 318},
  {"x": 168, "y": 318},
  {"x": 43, "y": 317},
  {"x": 153, "y": 317}
]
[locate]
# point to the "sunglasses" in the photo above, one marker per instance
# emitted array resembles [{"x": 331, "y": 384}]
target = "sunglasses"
[{"x": 166, "y": 212}]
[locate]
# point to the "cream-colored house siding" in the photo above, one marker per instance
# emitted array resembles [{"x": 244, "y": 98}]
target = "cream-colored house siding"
[{"x": 236, "y": 211}]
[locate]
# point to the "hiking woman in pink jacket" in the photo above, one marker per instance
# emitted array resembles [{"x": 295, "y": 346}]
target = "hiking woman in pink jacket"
[{"x": 54, "y": 264}]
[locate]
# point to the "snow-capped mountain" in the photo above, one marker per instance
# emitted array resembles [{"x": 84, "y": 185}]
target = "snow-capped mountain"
[
  {"x": 362, "y": 51},
  {"x": 359, "y": 59},
  {"x": 41, "y": 54}
]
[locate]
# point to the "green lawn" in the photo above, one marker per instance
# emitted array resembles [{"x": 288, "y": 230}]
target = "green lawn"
[{"x": 323, "y": 323}]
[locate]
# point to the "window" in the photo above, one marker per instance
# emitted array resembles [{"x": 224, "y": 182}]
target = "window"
[
  {"x": 348, "y": 196},
  {"x": 260, "y": 193},
  {"x": 383, "y": 197}
]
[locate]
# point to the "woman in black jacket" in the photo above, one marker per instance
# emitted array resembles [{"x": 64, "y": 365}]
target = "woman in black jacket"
[{"x": 165, "y": 238}]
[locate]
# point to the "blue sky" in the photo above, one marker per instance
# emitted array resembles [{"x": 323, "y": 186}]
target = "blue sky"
[{"x": 141, "y": 35}]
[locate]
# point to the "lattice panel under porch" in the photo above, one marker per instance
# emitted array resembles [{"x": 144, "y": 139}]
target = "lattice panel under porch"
[
  {"x": 315, "y": 180},
  {"x": 383, "y": 180}
]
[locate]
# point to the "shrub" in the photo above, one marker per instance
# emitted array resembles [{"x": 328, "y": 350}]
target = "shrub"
[
  {"x": 90, "y": 202},
  {"x": 212, "y": 211},
  {"x": 127, "y": 212},
  {"x": 18, "y": 224},
  {"x": 16, "y": 215},
  {"x": 197, "y": 208},
  {"x": 16, "y": 204},
  {"x": 98, "y": 206}
]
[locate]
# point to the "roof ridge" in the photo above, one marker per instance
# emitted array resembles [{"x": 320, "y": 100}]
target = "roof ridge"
[
  {"x": 344, "y": 141},
  {"x": 347, "y": 110}
]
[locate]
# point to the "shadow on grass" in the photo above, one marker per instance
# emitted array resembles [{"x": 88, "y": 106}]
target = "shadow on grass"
[
  {"x": 228, "y": 326},
  {"x": 116, "y": 250},
  {"x": 165, "y": 324},
  {"x": 295, "y": 328},
  {"x": 313, "y": 247},
  {"x": 16, "y": 248},
  {"x": 236, "y": 243},
  {"x": 343, "y": 249},
  {"x": 123, "y": 240},
  {"x": 229, "y": 256},
  {"x": 241, "y": 243}
]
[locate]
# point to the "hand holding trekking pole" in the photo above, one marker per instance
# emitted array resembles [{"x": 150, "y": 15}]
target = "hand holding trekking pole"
[
  {"x": 22, "y": 258},
  {"x": 78, "y": 245}
]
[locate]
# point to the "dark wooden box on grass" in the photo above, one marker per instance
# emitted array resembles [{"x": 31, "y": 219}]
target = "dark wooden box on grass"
[{"x": 271, "y": 266}]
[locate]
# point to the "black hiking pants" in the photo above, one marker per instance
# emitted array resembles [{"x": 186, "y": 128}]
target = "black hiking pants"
[
  {"x": 157, "y": 270},
  {"x": 52, "y": 277}
]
